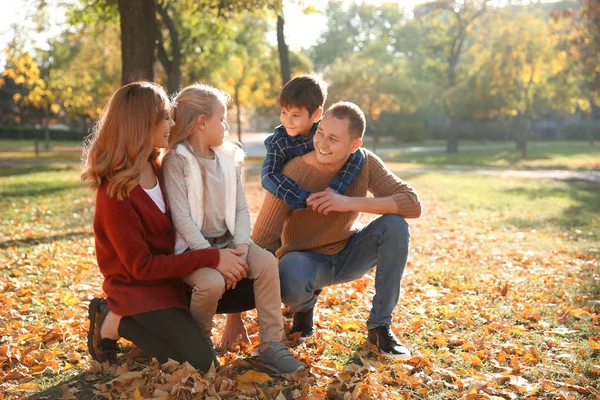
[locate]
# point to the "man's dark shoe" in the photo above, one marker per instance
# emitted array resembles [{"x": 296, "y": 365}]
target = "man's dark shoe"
[
  {"x": 100, "y": 349},
  {"x": 303, "y": 323},
  {"x": 387, "y": 343}
]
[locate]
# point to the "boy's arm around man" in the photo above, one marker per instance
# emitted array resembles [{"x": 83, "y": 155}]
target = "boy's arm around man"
[{"x": 281, "y": 148}]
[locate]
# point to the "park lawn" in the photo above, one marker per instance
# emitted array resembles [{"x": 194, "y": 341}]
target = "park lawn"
[
  {"x": 501, "y": 298},
  {"x": 23, "y": 144},
  {"x": 541, "y": 155},
  {"x": 19, "y": 151},
  {"x": 22, "y": 151}
]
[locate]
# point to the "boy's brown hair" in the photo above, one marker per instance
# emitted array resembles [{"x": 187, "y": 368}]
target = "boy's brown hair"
[
  {"x": 304, "y": 91},
  {"x": 350, "y": 111}
]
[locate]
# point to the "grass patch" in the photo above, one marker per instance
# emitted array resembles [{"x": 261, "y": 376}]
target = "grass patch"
[
  {"x": 22, "y": 151},
  {"x": 542, "y": 155},
  {"x": 7, "y": 145}
]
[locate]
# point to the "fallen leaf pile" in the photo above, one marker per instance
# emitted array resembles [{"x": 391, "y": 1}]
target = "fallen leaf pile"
[{"x": 489, "y": 313}]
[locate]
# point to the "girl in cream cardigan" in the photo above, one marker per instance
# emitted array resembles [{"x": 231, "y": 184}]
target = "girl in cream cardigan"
[{"x": 209, "y": 210}]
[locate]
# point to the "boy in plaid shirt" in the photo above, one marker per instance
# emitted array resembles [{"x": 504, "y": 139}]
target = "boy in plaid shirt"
[{"x": 302, "y": 100}]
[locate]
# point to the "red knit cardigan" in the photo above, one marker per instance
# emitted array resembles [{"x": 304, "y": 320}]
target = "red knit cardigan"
[{"x": 135, "y": 242}]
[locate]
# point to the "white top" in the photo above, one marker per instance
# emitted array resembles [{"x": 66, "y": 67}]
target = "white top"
[
  {"x": 156, "y": 196},
  {"x": 214, "y": 224}
]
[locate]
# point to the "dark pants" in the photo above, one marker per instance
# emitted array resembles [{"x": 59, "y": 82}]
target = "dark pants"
[{"x": 172, "y": 333}]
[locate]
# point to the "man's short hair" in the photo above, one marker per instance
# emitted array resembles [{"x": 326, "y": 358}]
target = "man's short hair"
[
  {"x": 354, "y": 115},
  {"x": 304, "y": 91}
]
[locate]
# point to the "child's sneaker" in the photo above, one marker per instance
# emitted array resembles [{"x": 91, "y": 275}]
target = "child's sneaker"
[{"x": 278, "y": 359}]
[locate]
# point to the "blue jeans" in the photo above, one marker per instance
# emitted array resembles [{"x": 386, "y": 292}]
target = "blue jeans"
[{"x": 384, "y": 242}]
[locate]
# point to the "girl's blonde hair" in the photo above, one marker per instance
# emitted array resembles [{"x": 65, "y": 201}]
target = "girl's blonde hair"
[
  {"x": 117, "y": 147},
  {"x": 188, "y": 105}
]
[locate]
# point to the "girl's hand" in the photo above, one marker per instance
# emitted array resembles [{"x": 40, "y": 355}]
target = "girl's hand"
[
  {"x": 230, "y": 284},
  {"x": 234, "y": 329},
  {"x": 245, "y": 248},
  {"x": 231, "y": 266}
]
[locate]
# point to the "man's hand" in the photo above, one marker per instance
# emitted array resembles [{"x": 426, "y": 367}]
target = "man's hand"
[
  {"x": 327, "y": 201},
  {"x": 231, "y": 266},
  {"x": 234, "y": 329}
]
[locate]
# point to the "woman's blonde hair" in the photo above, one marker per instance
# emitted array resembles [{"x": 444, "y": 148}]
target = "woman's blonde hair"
[
  {"x": 188, "y": 105},
  {"x": 117, "y": 147}
]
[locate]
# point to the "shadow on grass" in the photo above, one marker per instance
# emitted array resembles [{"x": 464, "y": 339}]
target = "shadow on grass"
[
  {"x": 585, "y": 195},
  {"x": 79, "y": 385},
  {"x": 25, "y": 190},
  {"x": 18, "y": 170},
  {"x": 35, "y": 240},
  {"x": 493, "y": 157}
]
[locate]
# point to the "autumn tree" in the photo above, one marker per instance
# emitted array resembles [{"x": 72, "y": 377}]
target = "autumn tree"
[
  {"x": 523, "y": 70},
  {"x": 447, "y": 27},
  {"x": 359, "y": 51},
  {"x": 247, "y": 75},
  {"x": 23, "y": 70},
  {"x": 82, "y": 74}
]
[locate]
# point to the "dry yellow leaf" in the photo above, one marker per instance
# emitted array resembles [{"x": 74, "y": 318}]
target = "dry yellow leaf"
[
  {"x": 137, "y": 395},
  {"x": 252, "y": 376},
  {"x": 70, "y": 300},
  {"x": 28, "y": 386},
  {"x": 351, "y": 326},
  {"x": 242, "y": 386}
]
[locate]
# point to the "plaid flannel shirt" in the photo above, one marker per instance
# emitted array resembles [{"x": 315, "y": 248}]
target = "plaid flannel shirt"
[{"x": 282, "y": 147}]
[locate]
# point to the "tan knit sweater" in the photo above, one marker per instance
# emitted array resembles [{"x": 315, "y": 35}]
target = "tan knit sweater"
[{"x": 281, "y": 229}]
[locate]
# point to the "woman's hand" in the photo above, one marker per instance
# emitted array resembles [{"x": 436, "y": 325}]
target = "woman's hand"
[
  {"x": 234, "y": 329},
  {"x": 232, "y": 266}
]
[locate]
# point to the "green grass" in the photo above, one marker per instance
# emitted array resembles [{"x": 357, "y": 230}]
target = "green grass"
[
  {"x": 388, "y": 142},
  {"x": 22, "y": 151},
  {"x": 544, "y": 155},
  {"x": 21, "y": 144},
  {"x": 43, "y": 204}
]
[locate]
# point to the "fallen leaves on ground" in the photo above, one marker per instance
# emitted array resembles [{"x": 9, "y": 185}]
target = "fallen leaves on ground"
[{"x": 487, "y": 315}]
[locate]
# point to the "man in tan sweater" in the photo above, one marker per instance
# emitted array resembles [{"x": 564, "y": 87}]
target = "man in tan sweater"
[{"x": 323, "y": 245}]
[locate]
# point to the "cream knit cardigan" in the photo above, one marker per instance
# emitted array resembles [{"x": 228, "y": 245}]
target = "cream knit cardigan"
[{"x": 229, "y": 156}]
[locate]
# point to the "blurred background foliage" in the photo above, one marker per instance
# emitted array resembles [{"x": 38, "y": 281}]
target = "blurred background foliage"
[{"x": 452, "y": 70}]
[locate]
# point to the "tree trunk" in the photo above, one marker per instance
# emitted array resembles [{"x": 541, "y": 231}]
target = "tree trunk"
[
  {"x": 239, "y": 113},
  {"x": 171, "y": 65},
  {"x": 452, "y": 134},
  {"x": 284, "y": 55},
  {"x": 588, "y": 128},
  {"x": 517, "y": 130},
  {"x": 46, "y": 130},
  {"x": 84, "y": 125},
  {"x": 36, "y": 144},
  {"x": 524, "y": 134},
  {"x": 138, "y": 39}
]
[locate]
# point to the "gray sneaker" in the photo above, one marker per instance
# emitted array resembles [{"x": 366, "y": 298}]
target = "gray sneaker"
[{"x": 278, "y": 359}]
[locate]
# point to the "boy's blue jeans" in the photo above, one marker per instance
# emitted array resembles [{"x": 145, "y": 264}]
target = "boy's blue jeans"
[{"x": 384, "y": 242}]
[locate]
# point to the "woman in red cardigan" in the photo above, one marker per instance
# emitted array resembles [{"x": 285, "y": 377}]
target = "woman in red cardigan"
[{"x": 135, "y": 238}]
